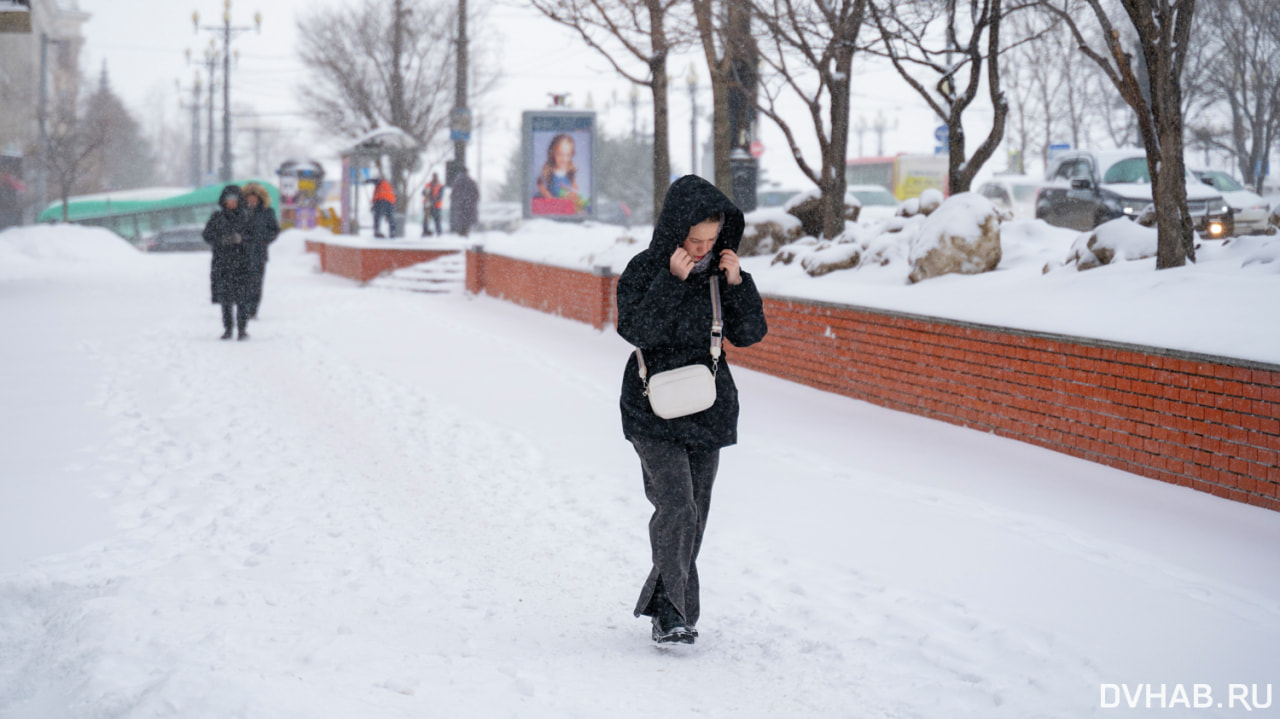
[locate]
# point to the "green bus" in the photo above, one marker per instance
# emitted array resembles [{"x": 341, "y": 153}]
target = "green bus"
[{"x": 138, "y": 214}]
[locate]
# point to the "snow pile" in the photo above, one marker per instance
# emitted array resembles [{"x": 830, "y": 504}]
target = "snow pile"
[
  {"x": 581, "y": 246},
  {"x": 1119, "y": 239},
  {"x": 41, "y": 250}
]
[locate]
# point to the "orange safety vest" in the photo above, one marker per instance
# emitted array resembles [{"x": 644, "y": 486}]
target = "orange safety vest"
[
  {"x": 383, "y": 191},
  {"x": 436, "y": 191}
]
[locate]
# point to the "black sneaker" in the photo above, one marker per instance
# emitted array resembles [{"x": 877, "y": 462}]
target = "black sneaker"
[
  {"x": 226, "y": 335},
  {"x": 672, "y": 631}
]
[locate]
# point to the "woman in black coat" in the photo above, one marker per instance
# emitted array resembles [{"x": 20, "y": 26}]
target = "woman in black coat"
[
  {"x": 262, "y": 231},
  {"x": 665, "y": 309},
  {"x": 232, "y": 267}
]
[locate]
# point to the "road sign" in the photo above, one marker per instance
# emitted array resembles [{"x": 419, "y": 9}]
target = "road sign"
[
  {"x": 942, "y": 134},
  {"x": 756, "y": 148},
  {"x": 460, "y": 125},
  {"x": 1055, "y": 150}
]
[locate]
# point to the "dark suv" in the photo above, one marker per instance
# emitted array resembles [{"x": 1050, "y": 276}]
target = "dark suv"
[{"x": 1085, "y": 189}]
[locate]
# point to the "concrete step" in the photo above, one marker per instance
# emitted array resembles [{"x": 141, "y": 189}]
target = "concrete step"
[{"x": 447, "y": 274}]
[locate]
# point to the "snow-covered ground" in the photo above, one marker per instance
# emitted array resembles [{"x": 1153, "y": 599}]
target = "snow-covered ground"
[{"x": 392, "y": 504}]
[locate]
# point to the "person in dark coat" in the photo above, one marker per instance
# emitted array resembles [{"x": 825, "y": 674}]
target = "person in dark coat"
[
  {"x": 465, "y": 198},
  {"x": 263, "y": 227},
  {"x": 232, "y": 267},
  {"x": 665, "y": 310}
]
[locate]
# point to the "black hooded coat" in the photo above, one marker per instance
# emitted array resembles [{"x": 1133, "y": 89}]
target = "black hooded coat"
[
  {"x": 231, "y": 270},
  {"x": 670, "y": 320}
]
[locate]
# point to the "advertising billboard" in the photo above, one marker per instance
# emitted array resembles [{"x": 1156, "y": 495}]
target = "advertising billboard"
[{"x": 559, "y": 164}]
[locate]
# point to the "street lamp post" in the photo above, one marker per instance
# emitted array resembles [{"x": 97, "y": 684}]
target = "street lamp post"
[
  {"x": 860, "y": 127},
  {"x": 227, "y": 31},
  {"x": 881, "y": 124}
]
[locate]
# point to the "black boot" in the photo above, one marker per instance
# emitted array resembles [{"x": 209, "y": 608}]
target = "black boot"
[
  {"x": 227, "y": 319},
  {"x": 672, "y": 631},
  {"x": 668, "y": 626}
]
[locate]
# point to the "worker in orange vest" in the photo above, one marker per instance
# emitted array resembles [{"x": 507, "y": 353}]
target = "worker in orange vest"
[
  {"x": 432, "y": 202},
  {"x": 384, "y": 205}
]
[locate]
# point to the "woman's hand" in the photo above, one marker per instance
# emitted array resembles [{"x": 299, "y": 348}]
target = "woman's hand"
[
  {"x": 730, "y": 266},
  {"x": 681, "y": 264}
]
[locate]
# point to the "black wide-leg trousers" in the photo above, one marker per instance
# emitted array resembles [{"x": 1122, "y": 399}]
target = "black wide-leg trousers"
[{"x": 677, "y": 481}]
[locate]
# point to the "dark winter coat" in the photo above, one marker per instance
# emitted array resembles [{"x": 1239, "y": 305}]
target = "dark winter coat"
[
  {"x": 261, "y": 230},
  {"x": 670, "y": 320},
  {"x": 231, "y": 271},
  {"x": 465, "y": 198}
]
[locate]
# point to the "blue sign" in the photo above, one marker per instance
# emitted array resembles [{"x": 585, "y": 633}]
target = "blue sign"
[
  {"x": 1055, "y": 150},
  {"x": 942, "y": 134},
  {"x": 460, "y": 125}
]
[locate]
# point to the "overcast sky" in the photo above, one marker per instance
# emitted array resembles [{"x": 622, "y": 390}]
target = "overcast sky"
[{"x": 143, "y": 43}]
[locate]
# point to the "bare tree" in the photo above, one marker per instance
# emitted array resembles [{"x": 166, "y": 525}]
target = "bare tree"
[
  {"x": 814, "y": 37},
  {"x": 70, "y": 143},
  {"x": 1144, "y": 47},
  {"x": 908, "y": 32},
  {"x": 622, "y": 31},
  {"x": 1245, "y": 73},
  {"x": 123, "y": 159},
  {"x": 1049, "y": 85},
  {"x": 378, "y": 64}
]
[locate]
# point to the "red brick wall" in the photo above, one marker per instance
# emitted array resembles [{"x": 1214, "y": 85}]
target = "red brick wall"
[
  {"x": 366, "y": 263},
  {"x": 582, "y": 296},
  {"x": 1209, "y": 423}
]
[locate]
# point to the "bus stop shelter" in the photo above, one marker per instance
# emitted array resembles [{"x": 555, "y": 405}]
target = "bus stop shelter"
[{"x": 362, "y": 159}]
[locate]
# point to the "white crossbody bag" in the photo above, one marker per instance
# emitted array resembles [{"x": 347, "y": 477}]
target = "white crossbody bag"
[{"x": 690, "y": 389}]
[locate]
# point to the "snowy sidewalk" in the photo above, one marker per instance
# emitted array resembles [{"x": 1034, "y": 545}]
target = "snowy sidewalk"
[{"x": 395, "y": 504}]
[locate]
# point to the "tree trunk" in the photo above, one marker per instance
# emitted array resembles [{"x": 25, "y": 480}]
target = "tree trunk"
[
  {"x": 1169, "y": 184},
  {"x": 658, "y": 83},
  {"x": 719, "y": 68},
  {"x": 837, "y": 149}
]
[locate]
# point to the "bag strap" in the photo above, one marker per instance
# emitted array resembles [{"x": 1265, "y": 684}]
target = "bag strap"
[{"x": 717, "y": 336}]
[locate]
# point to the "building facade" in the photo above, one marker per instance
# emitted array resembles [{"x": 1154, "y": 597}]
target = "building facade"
[{"x": 55, "y": 33}]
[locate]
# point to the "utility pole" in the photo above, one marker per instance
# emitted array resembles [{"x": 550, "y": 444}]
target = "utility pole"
[
  {"x": 194, "y": 175},
  {"x": 460, "y": 120},
  {"x": 210, "y": 63},
  {"x": 227, "y": 31}
]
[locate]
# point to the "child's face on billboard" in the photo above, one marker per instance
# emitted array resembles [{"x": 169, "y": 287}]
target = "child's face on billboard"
[{"x": 564, "y": 153}]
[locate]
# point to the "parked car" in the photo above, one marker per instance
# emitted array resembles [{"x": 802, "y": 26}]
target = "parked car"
[
  {"x": 877, "y": 202},
  {"x": 774, "y": 195},
  {"x": 183, "y": 238},
  {"x": 1012, "y": 193},
  {"x": 1249, "y": 211},
  {"x": 1084, "y": 189}
]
